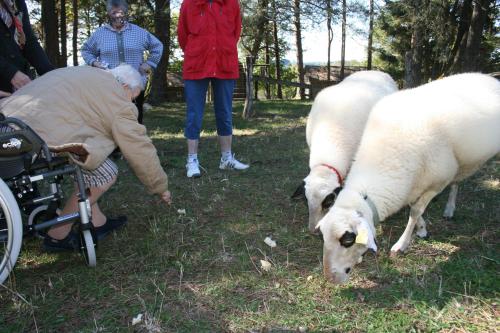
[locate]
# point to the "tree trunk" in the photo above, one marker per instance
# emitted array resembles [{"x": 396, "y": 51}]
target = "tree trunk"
[
  {"x": 474, "y": 38},
  {"x": 162, "y": 22},
  {"x": 277, "y": 52},
  {"x": 87, "y": 20},
  {"x": 456, "y": 61},
  {"x": 342, "y": 52},
  {"x": 370, "y": 38},
  {"x": 330, "y": 39},
  {"x": 75, "y": 32},
  {"x": 267, "y": 86},
  {"x": 262, "y": 19},
  {"x": 248, "y": 107},
  {"x": 50, "y": 31},
  {"x": 413, "y": 65},
  {"x": 300, "y": 55},
  {"x": 63, "y": 60}
]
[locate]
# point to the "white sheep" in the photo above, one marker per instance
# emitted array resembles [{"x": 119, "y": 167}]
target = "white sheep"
[
  {"x": 416, "y": 142},
  {"x": 334, "y": 128}
]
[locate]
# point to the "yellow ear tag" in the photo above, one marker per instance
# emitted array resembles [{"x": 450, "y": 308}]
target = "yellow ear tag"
[{"x": 362, "y": 237}]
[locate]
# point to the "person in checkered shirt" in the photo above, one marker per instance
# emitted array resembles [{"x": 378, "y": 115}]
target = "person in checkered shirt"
[{"x": 120, "y": 41}]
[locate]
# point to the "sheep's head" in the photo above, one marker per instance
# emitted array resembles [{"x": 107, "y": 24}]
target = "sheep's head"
[
  {"x": 347, "y": 236},
  {"x": 320, "y": 188}
]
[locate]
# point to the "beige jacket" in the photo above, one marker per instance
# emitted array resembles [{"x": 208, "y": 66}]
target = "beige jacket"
[{"x": 87, "y": 107}]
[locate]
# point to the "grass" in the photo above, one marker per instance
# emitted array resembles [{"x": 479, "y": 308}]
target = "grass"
[{"x": 201, "y": 272}]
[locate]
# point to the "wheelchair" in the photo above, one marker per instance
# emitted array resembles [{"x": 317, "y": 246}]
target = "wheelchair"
[{"x": 25, "y": 163}]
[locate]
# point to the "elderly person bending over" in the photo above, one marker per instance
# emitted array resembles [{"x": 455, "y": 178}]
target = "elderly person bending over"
[{"x": 90, "y": 110}]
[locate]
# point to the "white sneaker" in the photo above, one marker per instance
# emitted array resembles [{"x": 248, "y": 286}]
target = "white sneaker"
[
  {"x": 193, "y": 169},
  {"x": 232, "y": 164}
]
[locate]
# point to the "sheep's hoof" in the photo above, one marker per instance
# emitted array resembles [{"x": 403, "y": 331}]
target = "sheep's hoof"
[
  {"x": 394, "y": 254},
  {"x": 316, "y": 232},
  {"x": 423, "y": 235},
  {"x": 397, "y": 250},
  {"x": 448, "y": 214}
]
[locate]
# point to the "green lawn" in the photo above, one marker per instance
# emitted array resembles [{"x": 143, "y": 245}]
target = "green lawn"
[{"x": 201, "y": 271}]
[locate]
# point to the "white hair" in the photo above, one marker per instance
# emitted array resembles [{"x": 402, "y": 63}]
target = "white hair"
[{"x": 126, "y": 74}]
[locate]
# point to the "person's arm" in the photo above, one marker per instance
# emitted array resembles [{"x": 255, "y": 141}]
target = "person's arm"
[
  {"x": 182, "y": 30},
  {"x": 32, "y": 51},
  {"x": 155, "y": 48},
  {"x": 90, "y": 50},
  {"x": 139, "y": 151},
  {"x": 7, "y": 69}
]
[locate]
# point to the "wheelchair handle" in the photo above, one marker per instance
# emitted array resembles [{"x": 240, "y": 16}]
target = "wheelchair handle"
[{"x": 13, "y": 121}]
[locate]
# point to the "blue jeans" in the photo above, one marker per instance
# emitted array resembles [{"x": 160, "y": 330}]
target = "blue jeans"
[{"x": 196, "y": 93}]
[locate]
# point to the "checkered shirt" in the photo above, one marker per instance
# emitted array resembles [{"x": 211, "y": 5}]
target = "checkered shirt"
[{"x": 102, "y": 46}]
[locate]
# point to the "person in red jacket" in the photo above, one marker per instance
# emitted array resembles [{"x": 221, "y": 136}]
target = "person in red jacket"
[{"x": 208, "y": 33}]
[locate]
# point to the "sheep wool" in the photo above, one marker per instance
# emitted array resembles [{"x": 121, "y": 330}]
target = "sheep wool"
[
  {"x": 416, "y": 142},
  {"x": 334, "y": 128}
]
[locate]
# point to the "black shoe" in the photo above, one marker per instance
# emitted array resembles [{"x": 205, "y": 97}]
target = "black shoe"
[
  {"x": 69, "y": 243},
  {"x": 112, "y": 223}
]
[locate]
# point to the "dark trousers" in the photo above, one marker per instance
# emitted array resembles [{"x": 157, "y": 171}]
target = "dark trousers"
[{"x": 139, "y": 102}]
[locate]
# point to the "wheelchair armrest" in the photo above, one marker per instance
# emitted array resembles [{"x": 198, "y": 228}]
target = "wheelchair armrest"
[{"x": 43, "y": 163}]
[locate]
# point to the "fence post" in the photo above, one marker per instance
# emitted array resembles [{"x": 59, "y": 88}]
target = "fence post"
[
  {"x": 255, "y": 88},
  {"x": 247, "y": 109},
  {"x": 267, "y": 84}
]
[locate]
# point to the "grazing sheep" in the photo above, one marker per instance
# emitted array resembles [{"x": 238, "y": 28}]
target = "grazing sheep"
[
  {"x": 334, "y": 128},
  {"x": 416, "y": 142}
]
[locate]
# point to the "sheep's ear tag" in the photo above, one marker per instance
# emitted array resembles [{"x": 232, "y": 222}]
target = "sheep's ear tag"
[{"x": 362, "y": 237}]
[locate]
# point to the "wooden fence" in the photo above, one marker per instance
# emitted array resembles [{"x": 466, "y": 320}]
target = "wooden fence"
[{"x": 250, "y": 79}]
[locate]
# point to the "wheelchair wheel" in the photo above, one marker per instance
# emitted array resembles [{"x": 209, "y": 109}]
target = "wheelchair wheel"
[
  {"x": 88, "y": 248},
  {"x": 38, "y": 215},
  {"x": 11, "y": 231}
]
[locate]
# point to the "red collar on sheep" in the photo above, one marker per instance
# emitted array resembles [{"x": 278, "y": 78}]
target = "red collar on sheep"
[{"x": 341, "y": 181}]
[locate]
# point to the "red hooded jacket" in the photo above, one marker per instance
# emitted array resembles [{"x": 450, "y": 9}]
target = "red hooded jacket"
[{"x": 208, "y": 33}]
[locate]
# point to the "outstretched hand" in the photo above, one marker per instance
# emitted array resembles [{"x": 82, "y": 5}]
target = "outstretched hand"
[{"x": 166, "y": 197}]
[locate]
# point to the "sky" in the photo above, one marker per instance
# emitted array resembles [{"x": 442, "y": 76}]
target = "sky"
[{"x": 315, "y": 43}]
